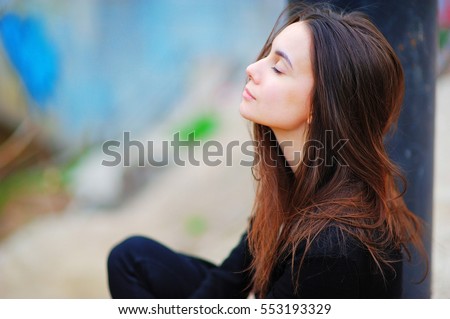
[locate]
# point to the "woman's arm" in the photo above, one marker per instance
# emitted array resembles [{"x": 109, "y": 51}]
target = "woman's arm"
[
  {"x": 319, "y": 277},
  {"x": 336, "y": 266}
]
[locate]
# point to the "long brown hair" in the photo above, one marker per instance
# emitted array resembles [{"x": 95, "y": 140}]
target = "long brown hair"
[{"x": 357, "y": 95}]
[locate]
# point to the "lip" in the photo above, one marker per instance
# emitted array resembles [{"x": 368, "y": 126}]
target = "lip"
[{"x": 247, "y": 95}]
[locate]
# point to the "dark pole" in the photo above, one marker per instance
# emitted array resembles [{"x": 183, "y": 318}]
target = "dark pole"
[{"x": 411, "y": 28}]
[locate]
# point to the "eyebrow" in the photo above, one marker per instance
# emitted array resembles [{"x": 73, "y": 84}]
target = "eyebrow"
[{"x": 284, "y": 56}]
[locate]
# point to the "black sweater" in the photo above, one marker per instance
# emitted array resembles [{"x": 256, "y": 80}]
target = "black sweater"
[{"x": 336, "y": 266}]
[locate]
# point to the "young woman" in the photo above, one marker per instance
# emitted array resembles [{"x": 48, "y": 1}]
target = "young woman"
[{"x": 328, "y": 220}]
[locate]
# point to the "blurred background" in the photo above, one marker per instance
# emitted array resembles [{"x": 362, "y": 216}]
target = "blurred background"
[{"x": 77, "y": 74}]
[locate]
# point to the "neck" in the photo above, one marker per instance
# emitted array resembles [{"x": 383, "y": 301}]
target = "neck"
[{"x": 291, "y": 143}]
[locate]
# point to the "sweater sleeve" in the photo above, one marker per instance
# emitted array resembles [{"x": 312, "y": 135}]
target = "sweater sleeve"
[
  {"x": 330, "y": 269},
  {"x": 319, "y": 277},
  {"x": 337, "y": 265},
  {"x": 231, "y": 279}
]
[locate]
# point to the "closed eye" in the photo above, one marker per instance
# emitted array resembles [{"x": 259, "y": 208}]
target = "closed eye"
[{"x": 274, "y": 68}]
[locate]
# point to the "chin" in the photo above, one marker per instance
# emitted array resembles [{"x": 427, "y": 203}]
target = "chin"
[
  {"x": 246, "y": 111},
  {"x": 243, "y": 111}
]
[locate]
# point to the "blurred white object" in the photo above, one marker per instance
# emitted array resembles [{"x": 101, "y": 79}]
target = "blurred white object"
[{"x": 93, "y": 184}]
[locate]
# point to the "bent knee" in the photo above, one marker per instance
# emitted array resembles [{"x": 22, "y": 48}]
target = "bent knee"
[{"x": 126, "y": 250}]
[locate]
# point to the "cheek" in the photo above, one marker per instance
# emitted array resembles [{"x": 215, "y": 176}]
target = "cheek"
[{"x": 294, "y": 108}]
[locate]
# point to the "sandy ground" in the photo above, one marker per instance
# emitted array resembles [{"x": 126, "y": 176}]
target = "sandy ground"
[{"x": 64, "y": 256}]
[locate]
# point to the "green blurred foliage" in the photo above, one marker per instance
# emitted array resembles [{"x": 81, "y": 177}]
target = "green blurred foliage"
[
  {"x": 443, "y": 37},
  {"x": 199, "y": 127},
  {"x": 196, "y": 225}
]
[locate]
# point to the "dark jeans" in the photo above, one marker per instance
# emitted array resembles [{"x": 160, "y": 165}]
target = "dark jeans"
[{"x": 140, "y": 267}]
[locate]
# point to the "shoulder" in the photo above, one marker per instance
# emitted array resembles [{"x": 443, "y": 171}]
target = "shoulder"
[{"x": 334, "y": 242}]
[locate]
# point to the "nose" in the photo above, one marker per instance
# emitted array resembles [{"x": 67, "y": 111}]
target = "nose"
[{"x": 252, "y": 74}]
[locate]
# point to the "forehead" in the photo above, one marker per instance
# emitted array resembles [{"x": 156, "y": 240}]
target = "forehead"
[{"x": 295, "y": 40}]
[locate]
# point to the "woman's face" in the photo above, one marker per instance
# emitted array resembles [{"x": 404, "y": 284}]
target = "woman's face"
[{"x": 278, "y": 91}]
